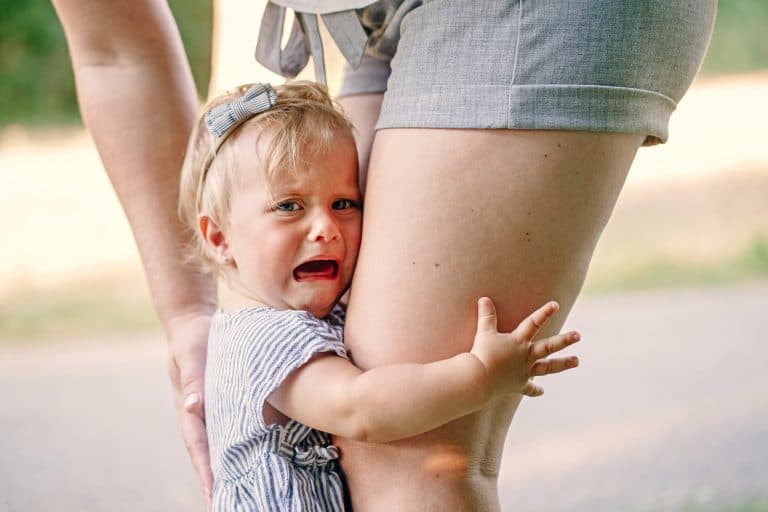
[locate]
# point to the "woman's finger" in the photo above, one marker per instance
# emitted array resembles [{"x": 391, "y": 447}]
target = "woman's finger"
[
  {"x": 187, "y": 370},
  {"x": 193, "y": 404},
  {"x": 528, "y": 328},
  {"x": 548, "y": 346},
  {"x": 550, "y": 366},
  {"x": 192, "y": 420},
  {"x": 196, "y": 441}
]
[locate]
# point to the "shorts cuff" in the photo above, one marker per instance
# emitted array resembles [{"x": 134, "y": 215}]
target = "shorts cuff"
[{"x": 532, "y": 107}]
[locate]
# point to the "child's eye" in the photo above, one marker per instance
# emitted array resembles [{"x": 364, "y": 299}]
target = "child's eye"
[
  {"x": 287, "y": 206},
  {"x": 344, "y": 204}
]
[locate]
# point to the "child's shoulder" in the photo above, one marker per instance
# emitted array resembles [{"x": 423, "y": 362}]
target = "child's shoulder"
[
  {"x": 256, "y": 333},
  {"x": 264, "y": 318}
]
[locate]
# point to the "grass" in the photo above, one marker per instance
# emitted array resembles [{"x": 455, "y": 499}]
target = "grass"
[
  {"x": 664, "y": 272},
  {"x": 754, "y": 504},
  {"x": 104, "y": 303}
]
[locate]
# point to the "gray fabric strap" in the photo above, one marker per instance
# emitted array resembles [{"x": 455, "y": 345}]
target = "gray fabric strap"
[
  {"x": 286, "y": 62},
  {"x": 344, "y": 27},
  {"x": 348, "y": 34},
  {"x": 315, "y": 43}
]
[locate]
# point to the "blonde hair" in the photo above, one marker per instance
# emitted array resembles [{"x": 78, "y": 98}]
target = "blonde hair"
[{"x": 304, "y": 117}]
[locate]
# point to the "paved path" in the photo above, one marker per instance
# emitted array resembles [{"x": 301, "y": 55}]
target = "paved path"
[{"x": 669, "y": 409}]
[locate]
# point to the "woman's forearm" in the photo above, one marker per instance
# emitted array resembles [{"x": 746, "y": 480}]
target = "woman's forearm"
[{"x": 137, "y": 98}]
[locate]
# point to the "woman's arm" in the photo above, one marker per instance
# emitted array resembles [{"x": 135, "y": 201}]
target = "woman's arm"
[
  {"x": 137, "y": 98},
  {"x": 397, "y": 401}
]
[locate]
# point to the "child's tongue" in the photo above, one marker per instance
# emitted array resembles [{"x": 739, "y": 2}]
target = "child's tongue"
[{"x": 322, "y": 269}]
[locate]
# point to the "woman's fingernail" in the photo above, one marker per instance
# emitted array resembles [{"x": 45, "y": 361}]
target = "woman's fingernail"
[{"x": 191, "y": 399}]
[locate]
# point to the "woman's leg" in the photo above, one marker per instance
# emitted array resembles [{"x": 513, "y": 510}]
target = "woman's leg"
[{"x": 451, "y": 215}]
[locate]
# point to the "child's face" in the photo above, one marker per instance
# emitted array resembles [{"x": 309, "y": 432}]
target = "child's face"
[{"x": 299, "y": 250}]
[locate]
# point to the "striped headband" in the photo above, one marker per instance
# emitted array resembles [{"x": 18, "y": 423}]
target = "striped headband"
[{"x": 223, "y": 119}]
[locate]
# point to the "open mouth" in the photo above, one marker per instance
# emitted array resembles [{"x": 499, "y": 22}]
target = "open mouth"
[{"x": 316, "y": 269}]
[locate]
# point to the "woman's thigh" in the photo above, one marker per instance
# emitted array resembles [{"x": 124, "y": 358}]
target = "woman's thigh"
[{"x": 452, "y": 215}]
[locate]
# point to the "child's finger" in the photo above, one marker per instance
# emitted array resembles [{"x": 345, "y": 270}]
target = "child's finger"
[
  {"x": 531, "y": 325},
  {"x": 548, "y": 346},
  {"x": 531, "y": 389},
  {"x": 556, "y": 365},
  {"x": 486, "y": 315}
]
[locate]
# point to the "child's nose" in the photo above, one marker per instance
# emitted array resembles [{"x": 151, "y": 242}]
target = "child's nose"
[{"x": 324, "y": 227}]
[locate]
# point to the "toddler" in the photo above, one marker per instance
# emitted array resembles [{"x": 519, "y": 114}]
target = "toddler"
[{"x": 270, "y": 194}]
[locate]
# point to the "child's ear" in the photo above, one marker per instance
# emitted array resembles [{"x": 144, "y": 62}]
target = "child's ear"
[{"x": 214, "y": 238}]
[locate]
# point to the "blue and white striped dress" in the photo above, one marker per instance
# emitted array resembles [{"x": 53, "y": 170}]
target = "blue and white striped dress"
[{"x": 257, "y": 466}]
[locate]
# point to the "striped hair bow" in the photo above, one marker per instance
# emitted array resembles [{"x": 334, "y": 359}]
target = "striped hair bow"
[{"x": 222, "y": 118}]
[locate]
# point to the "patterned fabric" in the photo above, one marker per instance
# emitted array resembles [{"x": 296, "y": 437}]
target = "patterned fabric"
[
  {"x": 381, "y": 22},
  {"x": 258, "y": 465}
]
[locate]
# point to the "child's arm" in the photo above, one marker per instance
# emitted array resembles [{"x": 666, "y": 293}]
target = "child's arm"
[{"x": 397, "y": 401}]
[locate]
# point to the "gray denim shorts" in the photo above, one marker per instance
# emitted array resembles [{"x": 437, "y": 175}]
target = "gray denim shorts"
[{"x": 591, "y": 65}]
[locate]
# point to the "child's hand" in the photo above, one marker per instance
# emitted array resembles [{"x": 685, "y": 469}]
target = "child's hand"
[{"x": 511, "y": 359}]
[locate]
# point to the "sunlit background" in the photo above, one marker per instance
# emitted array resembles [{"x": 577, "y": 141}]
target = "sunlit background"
[{"x": 690, "y": 231}]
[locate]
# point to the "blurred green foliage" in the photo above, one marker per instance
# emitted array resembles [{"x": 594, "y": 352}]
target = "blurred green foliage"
[
  {"x": 740, "y": 40},
  {"x": 750, "y": 263},
  {"x": 36, "y": 81},
  {"x": 36, "y": 84}
]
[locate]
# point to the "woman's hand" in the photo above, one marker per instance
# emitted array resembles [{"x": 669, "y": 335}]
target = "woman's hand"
[
  {"x": 187, "y": 344},
  {"x": 512, "y": 359}
]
